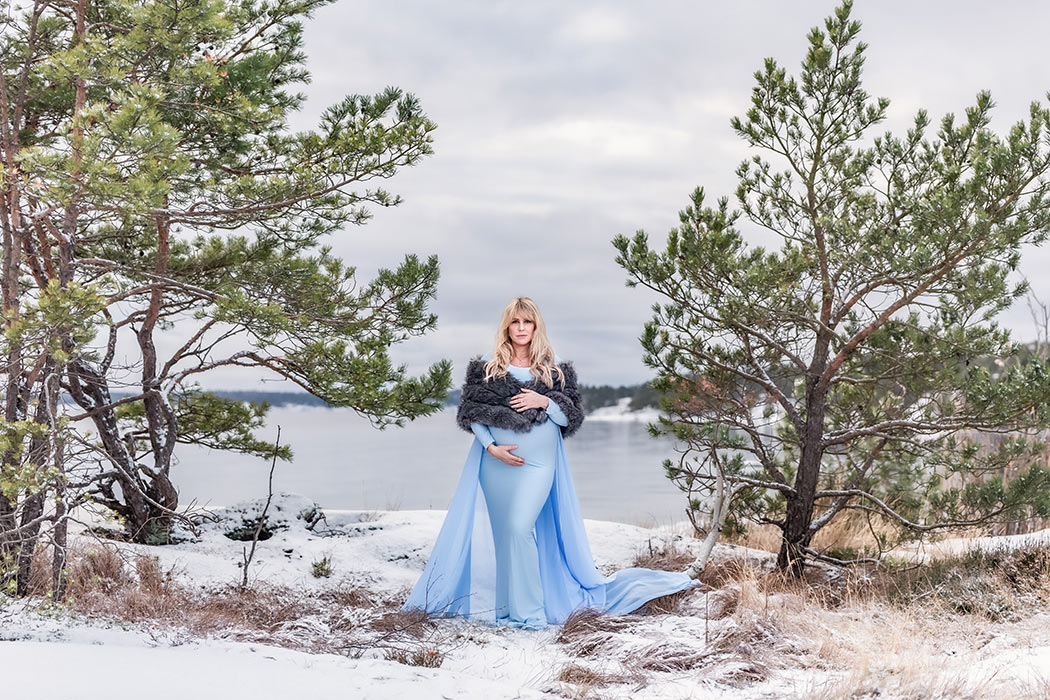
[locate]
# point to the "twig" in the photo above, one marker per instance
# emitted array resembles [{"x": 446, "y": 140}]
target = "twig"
[{"x": 247, "y": 556}]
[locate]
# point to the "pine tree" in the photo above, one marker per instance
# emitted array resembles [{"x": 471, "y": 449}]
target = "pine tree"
[
  {"x": 149, "y": 168},
  {"x": 838, "y": 372}
]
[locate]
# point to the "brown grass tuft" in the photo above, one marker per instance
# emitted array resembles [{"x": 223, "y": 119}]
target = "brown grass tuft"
[
  {"x": 997, "y": 584},
  {"x": 586, "y": 621},
  {"x": 723, "y": 573},
  {"x": 587, "y": 632},
  {"x": 349, "y": 597},
  {"x": 722, "y": 603},
  {"x": 751, "y": 636},
  {"x": 427, "y": 657},
  {"x": 669, "y": 657},
  {"x": 581, "y": 675},
  {"x": 766, "y": 538},
  {"x": 138, "y": 589},
  {"x": 668, "y": 557},
  {"x": 413, "y": 621},
  {"x": 847, "y": 532},
  {"x": 259, "y": 608},
  {"x": 152, "y": 578},
  {"x": 668, "y": 604},
  {"x": 40, "y": 572},
  {"x": 98, "y": 570}
]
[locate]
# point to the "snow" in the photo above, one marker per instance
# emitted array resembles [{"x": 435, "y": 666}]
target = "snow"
[
  {"x": 622, "y": 412},
  {"x": 761, "y": 651},
  {"x": 960, "y": 545},
  {"x": 97, "y": 663}
]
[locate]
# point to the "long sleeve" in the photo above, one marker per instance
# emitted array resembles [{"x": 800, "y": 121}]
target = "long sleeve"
[
  {"x": 568, "y": 400},
  {"x": 483, "y": 434},
  {"x": 556, "y": 414}
]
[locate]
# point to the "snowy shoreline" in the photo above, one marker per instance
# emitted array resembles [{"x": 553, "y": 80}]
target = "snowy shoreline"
[
  {"x": 726, "y": 643},
  {"x": 622, "y": 412}
]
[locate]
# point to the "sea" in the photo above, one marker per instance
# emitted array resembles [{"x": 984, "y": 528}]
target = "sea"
[{"x": 342, "y": 462}]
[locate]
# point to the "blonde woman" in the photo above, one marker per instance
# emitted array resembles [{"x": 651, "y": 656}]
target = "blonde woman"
[{"x": 517, "y": 553}]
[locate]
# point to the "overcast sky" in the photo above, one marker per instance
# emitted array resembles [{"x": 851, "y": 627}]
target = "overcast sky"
[{"x": 562, "y": 124}]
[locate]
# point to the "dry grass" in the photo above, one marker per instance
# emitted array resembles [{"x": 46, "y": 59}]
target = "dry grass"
[
  {"x": 587, "y": 631},
  {"x": 103, "y": 581},
  {"x": 667, "y": 604},
  {"x": 414, "y": 622},
  {"x": 912, "y": 633},
  {"x": 722, "y": 603},
  {"x": 670, "y": 657},
  {"x": 849, "y": 532},
  {"x": 343, "y": 618},
  {"x": 589, "y": 678},
  {"x": 669, "y": 556},
  {"x": 821, "y": 585},
  {"x": 348, "y": 596},
  {"x": 429, "y": 657},
  {"x": 997, "y": 584},
  {"x": 904, "y": 633},
  {"x": 740, "y": 651},
  {"x": 885, "y": 651},
  {"x": 581, "y": 675},
  {"x": 575, "y": 685},
  {"x": 765, "y": 538},
  {"x": 738, "y": 643}
]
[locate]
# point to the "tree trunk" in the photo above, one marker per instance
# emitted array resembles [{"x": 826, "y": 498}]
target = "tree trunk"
[
  {"x": 723, "y": 503},
  {"x": 799, "y": 515},
  {"x": 90, "y": 389},
  {"x": 33, "y": 503},
  {"x": 14, "y": 391},
  {"x": 160, "y": 418},
  {"x": 24, "y": 545},
  {"x": 60, "y": 536}
]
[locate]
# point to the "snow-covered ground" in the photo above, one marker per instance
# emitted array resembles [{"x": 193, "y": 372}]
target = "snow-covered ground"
[
  {"x": 622, "y": 412},
  {"x": 955, "y": 546},
  {"x": 732, "y": 642}
]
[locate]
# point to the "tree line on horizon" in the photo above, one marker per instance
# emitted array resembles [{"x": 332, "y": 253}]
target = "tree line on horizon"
[{"x": 593, "y": 396}]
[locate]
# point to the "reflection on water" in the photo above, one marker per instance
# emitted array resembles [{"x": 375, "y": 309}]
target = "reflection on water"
[{"x": 343, "y": 463}]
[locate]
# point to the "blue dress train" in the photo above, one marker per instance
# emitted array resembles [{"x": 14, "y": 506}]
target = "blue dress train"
[{"x": 513, "y": 549}]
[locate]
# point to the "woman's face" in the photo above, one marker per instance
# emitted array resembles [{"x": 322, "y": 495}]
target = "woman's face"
[{"x": 520, "y": 331}]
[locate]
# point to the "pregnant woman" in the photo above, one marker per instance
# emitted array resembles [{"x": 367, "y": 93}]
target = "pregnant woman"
[{"x": 517, "y": 553}]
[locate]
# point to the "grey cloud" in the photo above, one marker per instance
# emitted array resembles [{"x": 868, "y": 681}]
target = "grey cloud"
[{"x": 552, "y": 140}]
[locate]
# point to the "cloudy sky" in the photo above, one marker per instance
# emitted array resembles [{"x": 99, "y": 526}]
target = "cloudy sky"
[{"x": 562, "y": 124}]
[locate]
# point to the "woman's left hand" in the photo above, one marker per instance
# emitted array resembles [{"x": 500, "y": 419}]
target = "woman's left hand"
[{"x": 528, "y": 399}]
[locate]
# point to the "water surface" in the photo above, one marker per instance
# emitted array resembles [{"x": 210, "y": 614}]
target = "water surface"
[{"x": 343, "y": 463}]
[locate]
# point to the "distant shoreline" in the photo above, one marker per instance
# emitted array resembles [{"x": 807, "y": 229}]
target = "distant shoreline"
[{"x": 605, "y": 402}]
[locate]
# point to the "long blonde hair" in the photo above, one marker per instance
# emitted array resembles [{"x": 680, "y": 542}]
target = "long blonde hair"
[{"x": 541, "y": 354}]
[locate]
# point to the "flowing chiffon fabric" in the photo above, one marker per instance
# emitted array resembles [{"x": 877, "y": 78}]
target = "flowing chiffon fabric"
[{"x": 459, "y": 578}]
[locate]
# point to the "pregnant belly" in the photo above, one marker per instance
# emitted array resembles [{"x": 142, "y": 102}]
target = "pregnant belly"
[{"x": 537, "y": 446}]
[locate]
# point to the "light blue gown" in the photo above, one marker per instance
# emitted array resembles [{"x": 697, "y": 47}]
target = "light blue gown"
[
  {"x": 513, "y": 549},
  {"x": 515, "y": 496}
]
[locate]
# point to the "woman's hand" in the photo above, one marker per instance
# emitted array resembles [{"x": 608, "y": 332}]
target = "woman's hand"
[
  {"x": 528, "y": 399},
  {"x": 503, "y": 454}
]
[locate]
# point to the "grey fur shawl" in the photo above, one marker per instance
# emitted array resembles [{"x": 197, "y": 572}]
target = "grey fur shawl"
[{"x": 488, "y": 402}]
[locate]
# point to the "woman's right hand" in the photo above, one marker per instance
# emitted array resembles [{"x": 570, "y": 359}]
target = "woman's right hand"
[{"x": 503, "y": 454}]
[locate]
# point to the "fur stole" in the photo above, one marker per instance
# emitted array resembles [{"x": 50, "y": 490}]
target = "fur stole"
[{"x": 489, "y": 402}]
